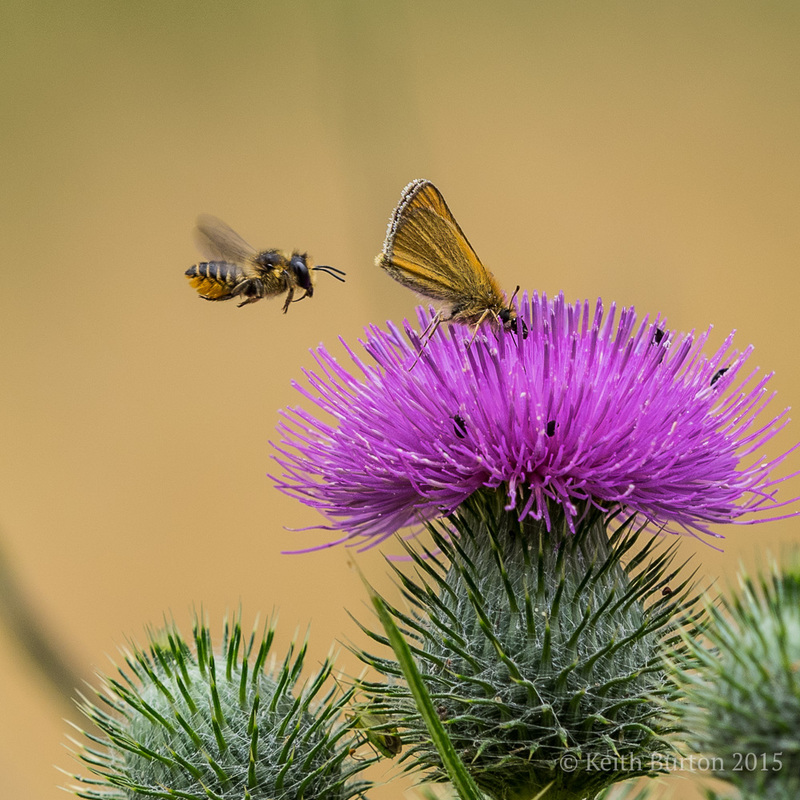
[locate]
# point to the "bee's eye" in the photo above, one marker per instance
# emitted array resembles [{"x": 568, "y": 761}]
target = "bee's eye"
[{"x": 300, "y": 268}]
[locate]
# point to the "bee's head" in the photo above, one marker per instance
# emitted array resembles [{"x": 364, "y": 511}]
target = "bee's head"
[{"x": 298, "y": 267}]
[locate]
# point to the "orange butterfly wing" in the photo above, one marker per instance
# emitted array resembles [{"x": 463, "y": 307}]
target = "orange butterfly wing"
[{"x": 426, "y": 251}]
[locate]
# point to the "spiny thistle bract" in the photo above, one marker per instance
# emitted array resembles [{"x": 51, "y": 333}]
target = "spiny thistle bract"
[
  {"x": 183, "y": 722},
  {"x": 541, "y": 650},
  {"x": 741, "y": 708}
]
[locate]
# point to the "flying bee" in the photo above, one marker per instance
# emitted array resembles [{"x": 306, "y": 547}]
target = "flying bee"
[
  {"x": 238, "y": 270},
  {"x": 426, "y": 250}
]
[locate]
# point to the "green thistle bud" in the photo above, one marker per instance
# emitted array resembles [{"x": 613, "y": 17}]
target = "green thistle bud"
[
  {"x": 185, "y": 722},
  {"x": 742, "y": 705},
  {"x": 542, "y": 651}
]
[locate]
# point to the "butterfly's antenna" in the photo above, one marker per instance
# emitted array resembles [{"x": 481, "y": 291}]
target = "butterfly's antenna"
[
  {"x": 426, "y": 335},
  {"x": 332, "y": 271}
]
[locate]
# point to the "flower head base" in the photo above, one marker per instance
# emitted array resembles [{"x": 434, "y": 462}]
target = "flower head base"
[
  {"x": 585, "y": 411},
  {"x": 200, "y": 725},
  {"x": 542, "y": 651}
]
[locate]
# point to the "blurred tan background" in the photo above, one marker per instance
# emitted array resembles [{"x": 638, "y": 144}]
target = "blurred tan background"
[{"x": 645, "y": 152}]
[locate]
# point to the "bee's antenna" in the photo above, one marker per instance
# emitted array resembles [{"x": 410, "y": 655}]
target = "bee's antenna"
[{"x": 332, "y": 271}]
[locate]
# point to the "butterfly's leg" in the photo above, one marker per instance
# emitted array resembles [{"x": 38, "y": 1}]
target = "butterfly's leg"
[
  {"x": 478, "y": 325},
  {"x": 426, "y": 335},
  {"x": 431, "y": 327}
]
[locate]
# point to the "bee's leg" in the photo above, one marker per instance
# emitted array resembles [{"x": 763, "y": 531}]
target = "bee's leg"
[
  {"x": 303, "y": 297},
  {"x": 249, "y": 289},
  {"x": 289, "y": 297}
]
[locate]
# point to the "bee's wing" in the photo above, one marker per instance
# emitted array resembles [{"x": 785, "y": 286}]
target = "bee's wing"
[
  {"x": 426, "y": 250},
  {"x": 218, "y": 241}
]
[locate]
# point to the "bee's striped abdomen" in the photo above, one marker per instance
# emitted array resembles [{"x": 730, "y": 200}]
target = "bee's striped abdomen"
[{"x": 216, "y": 280}]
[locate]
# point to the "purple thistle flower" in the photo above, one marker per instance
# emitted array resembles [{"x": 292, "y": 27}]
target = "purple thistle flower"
[{"x": 581, "y": 412}]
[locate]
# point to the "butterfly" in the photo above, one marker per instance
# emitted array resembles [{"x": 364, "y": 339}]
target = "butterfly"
[{"x": 426, "y": 250}]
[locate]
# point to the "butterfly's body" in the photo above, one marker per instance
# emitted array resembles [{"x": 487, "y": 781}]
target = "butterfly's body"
[
  {"x": 426, "y": 250},
  {"x": 237, "y": 270}
]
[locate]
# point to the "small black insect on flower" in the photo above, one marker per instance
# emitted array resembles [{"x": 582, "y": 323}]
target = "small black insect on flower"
[{"x": 459, "y": 426}]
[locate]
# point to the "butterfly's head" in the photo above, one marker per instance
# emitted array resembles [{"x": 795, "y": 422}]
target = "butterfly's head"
[{"x": 510, "y": 321}]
